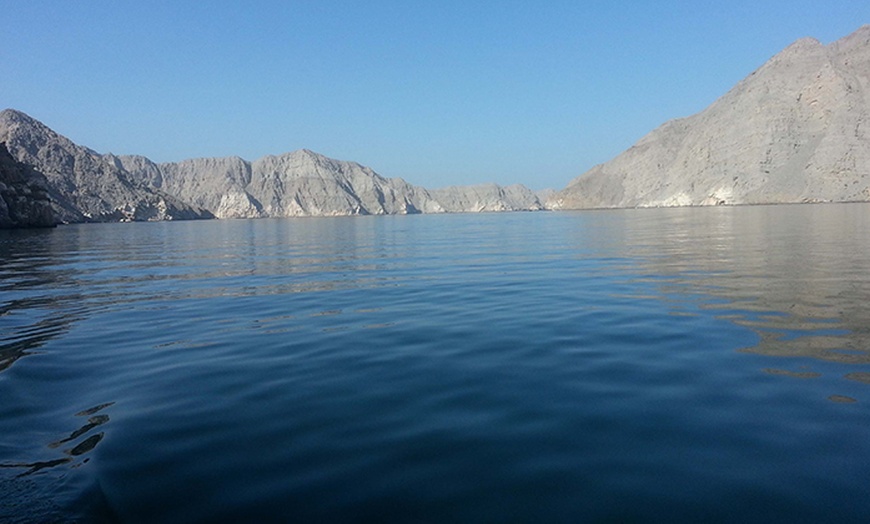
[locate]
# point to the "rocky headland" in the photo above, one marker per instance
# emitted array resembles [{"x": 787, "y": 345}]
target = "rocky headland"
[{"x": 795, "y": 130}]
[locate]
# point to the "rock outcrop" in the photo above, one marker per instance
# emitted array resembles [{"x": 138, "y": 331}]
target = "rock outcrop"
[
  {"x": 24, "y": 198},
  {"x": 83, "y": 185},
  {"x": 795, "y": 130}
]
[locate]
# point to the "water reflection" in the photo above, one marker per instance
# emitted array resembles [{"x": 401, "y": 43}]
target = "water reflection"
[
  {"x": 75, "y": 449},
  {"x": 795, "y": 275},
  {"x": 31, "y": 283},
  {"x": 510, "y": 335},
  {"x": 51, "y": 279},
  {"x": 798, "y": 276}
]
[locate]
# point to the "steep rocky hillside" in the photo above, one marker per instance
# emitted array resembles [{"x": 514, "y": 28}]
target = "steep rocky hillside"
[
  {"x": 304, "y": 183},
  {"x": 301, "y": 183},
  {"x": 487, "y": 197},
  {"x": 795, "y": 130},
  {"x": 83, "y": 185},
  {"x": 24, "y": 198},
  {"x": 87, "y": 186}
]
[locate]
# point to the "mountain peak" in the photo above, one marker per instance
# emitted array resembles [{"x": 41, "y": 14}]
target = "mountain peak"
[
  {"x": 790, "y": 132},
  {"x": 802, "y": 45},
  {"x": 857, "y": 40},
  {"x": 308, "y": 154},
  {"x": 14, "y": 116}
]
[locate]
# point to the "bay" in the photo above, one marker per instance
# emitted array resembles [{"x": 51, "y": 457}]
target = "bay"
[{"x": 658, "y": 364}]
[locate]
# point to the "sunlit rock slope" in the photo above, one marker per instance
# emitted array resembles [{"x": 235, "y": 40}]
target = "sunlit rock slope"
[{"x": 795, "y": 130}]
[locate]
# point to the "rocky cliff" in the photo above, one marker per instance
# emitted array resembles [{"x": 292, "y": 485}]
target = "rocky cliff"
[
  {"x": 301, "y": 183},
  {"x": 304, "y": 183},
  {"x": 24, "y": 198},
  {"x": 83, "y": 185},
  {"x": 487, "y": 197},
  {"x": 795, "y": 130}
]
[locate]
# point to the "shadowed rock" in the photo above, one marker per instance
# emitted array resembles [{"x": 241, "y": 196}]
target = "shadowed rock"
[
  {"x": 24, "y": 200},
  {"x": 83, "y": 185}
]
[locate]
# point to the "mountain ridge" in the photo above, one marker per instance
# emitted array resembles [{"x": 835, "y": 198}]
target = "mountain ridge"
[
  {"x": 82, "y": 184},
  {"x": 88, "y": 186},
  {"x": 792, "y": 131}
]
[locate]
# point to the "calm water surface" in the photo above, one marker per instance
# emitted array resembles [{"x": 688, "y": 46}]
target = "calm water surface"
[{"x": 693, "y": 364}]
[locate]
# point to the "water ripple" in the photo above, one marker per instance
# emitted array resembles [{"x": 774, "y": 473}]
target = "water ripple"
[{"x": 622, "y": 365}]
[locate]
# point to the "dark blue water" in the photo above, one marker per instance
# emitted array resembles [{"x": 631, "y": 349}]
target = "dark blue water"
[{"x": 644, "y": 365}]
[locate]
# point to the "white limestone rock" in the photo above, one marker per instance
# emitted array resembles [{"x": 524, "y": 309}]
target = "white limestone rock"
[{"x": 304, "y": 183}]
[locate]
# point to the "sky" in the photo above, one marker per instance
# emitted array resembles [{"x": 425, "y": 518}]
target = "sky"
[{"x": 436, "y": 92}]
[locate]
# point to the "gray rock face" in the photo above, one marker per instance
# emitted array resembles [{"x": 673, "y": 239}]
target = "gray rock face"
[
  {"x": 487, "y": 197},
  {"x": 24, "y": 198},
  {"x": 216, "y": 184},
  {"x": 795, "y": 130},
  {"x": 301, "y": 183},
  {"x": 87, "y": 186},
  {"x": 83, "y": 185},
  {"x": 304, "y": 183}
]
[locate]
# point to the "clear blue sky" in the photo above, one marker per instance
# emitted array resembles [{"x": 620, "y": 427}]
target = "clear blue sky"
[{"x": 436, "y": 92}]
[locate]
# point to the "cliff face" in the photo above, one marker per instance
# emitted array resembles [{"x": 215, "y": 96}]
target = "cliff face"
[
  {"x": 87, "y": 186},
  {"x": 301, "y": 183},
  {"x": 487, "y": 197},
  {"x": 795, "y": 130},
  {"x": 304, "y": 183},
  {"x": 83, "y": 185},
  {"x": 216, "y": 184},
  {"x": 24, "y": 198}
]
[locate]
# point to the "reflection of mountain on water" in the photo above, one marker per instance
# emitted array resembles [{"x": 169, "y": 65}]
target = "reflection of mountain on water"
[
  {"x": 31, "y": 313},
  {"x": 18, "y": 341},
  {"x": 799, "y": 276},
  {"x": 73, "y": 449}
]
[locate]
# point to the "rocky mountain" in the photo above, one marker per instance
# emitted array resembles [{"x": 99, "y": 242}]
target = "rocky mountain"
[
  {"x": 304, "y": 183},
  {"x": 87, "y": 186},
  {"x": 24, "y": 200},
  {"x": 795, "y": 130},
  {"x": 301, "y": 183},
  {"x": 487, "y": 197},
  {"x": 83, "y": 185}
]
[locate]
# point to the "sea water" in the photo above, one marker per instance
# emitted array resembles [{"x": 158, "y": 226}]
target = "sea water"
[{"x": 706, "y": 364}]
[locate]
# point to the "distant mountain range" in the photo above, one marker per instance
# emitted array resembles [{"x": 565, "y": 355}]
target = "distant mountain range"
[
  {"x": 795, "y": 130},
  {"x": 85, "y": 186}
]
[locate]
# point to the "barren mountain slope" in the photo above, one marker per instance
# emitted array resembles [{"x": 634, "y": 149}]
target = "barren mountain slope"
[
  {"x": 82, "y": 184},
  {"x": 795, "y": 130}
]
